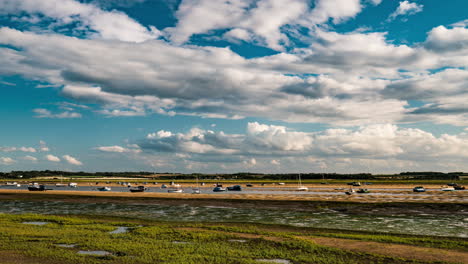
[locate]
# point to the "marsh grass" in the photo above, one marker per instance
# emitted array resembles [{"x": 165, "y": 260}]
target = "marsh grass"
[{"x": 153, "y": 242}]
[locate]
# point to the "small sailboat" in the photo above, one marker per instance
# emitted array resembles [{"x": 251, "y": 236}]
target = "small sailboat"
[
  {"x": 138, "y": 189},
  {"x": 301, "y": 187},
  {"x": 196, "y": 190},
  {"x": 234, "y": 188},
  {"x": 175, "y": 190},
  {"x": 219, "y": 189},
  {"x": 447, "y": 188},
  {"x": 36, "y": 187}
]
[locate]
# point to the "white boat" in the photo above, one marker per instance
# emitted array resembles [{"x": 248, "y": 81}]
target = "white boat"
[
  {"x": 196, "y": 190},
  {"x": 448, "y": 189},
  {"x": 72, "y": 185},
  {"x": 164, "y": 186},
  {"x": 11, "y": 183},
  {"x": 301, "y": 187},
  {"x": 174, "y": 190},
  {"x": 18, "y": 185},
  {"x": 104, "y": 189}
]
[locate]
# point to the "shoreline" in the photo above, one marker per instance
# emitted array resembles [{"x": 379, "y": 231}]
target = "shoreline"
[{"x": 348, "y": 206}]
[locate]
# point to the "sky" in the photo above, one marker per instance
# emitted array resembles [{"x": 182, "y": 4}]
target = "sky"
[{"x": 225, "y": 86}]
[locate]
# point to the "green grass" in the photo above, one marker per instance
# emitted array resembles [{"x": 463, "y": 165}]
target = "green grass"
[{"x": 153, "y": 242}]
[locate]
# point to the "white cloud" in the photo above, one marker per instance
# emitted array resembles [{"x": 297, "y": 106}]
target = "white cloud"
[
  {"x": 406, "y": 8},
  {"x": 107, "y": 24},
  {"x": 72, "y": 160},
  {"x": 43, "y": 146},
  {"x": 12, "y": 149},
  {"x": 118, "y": 149},
  {"x": 52, "y": 158},
  {"x": 29, "y": 158},
  {"x": 338, "y": 10},
  {"x": 7, "y": 161},
  {"x": 44, "y": 113}
]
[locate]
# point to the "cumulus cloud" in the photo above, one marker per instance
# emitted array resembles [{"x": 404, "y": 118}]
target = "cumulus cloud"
[
  {"x": 276, "y": 144},
  {"x": 262, "y": 22},
  {"x": 29, "y": 158},
  {"x": 7, "y": 161},
  {"x": 43, "y": 146},
  {"x": 12, "y": 149},
  {"x": 406, "y": 8},
  {"x": 119, "y": 149},
  {"x": 71, "y": 160},
  {"x": 44, "y": 113},
  {"x": 52, "y": 158},
  {"x": 106, "y": 24}
]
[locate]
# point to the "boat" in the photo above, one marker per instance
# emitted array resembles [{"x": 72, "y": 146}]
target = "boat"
[
  {"x": 36, "y": 188},
  {"x": 301, "y": 187},
  {"x": 140, "y": 188},
  {"x": 350, "y": 191},
  {"x": 164, "y": 186},
  {"x": 249, "y": 185},
  {"x": 281, "y": 183},
  {"x": 196, "y": 190},
  {"x": 419, "y": 189},
  {"x": 219, "y": 189},
  {"x": 72, "y": 185},
  {"x": 11, "y": 183},
  {"x": 104, "y": 189},
  {"x": 175, "y": 190},
  {"x": 356, "y": 184},
  {"x": 234, "y": 188},
  {"x": 19, "y": 185},
  {"x": 363, "y": 191},
  {"x": 447, "y": 189}
]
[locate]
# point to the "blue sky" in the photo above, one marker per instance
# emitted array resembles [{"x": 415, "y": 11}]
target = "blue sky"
[{"x": 228, "y": 86}]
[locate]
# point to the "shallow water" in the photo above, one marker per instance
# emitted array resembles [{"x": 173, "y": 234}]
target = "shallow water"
[
  {"x": 94, "y": 252},
  {"x": 35, "y": 223},
  {"x": 417, "y": 223},
  {"x": 280, "y": 261},
  {"x": 119, "y": 230}
]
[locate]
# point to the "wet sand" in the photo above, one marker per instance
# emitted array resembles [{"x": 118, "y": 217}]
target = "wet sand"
[{"x": 399, "y": 196}]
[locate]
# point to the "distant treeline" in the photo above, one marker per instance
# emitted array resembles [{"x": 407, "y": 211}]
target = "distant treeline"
[
  {"x": 240, "y": 176},
  {"x": 50, "y": 173}
]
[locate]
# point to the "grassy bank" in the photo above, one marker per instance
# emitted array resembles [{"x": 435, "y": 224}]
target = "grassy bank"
[{"x": 154, "y": 242}]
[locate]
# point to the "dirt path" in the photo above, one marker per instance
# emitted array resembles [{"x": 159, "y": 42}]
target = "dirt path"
[{"x": 384, "y": 249}]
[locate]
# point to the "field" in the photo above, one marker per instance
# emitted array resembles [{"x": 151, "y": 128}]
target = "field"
[{"x": 60, "y": 238}]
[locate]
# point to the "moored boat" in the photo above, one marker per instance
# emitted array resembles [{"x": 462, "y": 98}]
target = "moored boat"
[
  {"x": 350, "y": 191},
  {"x": 219, "y": 189},
  {"x": 72, "y": 185},
  {"x": 36, "y": 187},
  {"x": 138, "y": 189},
  {"x": 363, "y": 191},
  {"x": 104, "y": 189},
  {"x": 175, "y": 190},
  {"x": 234, "y": 188},
  {"x": 447, "y": 188},
  {"x": 419, "y": 189}
]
